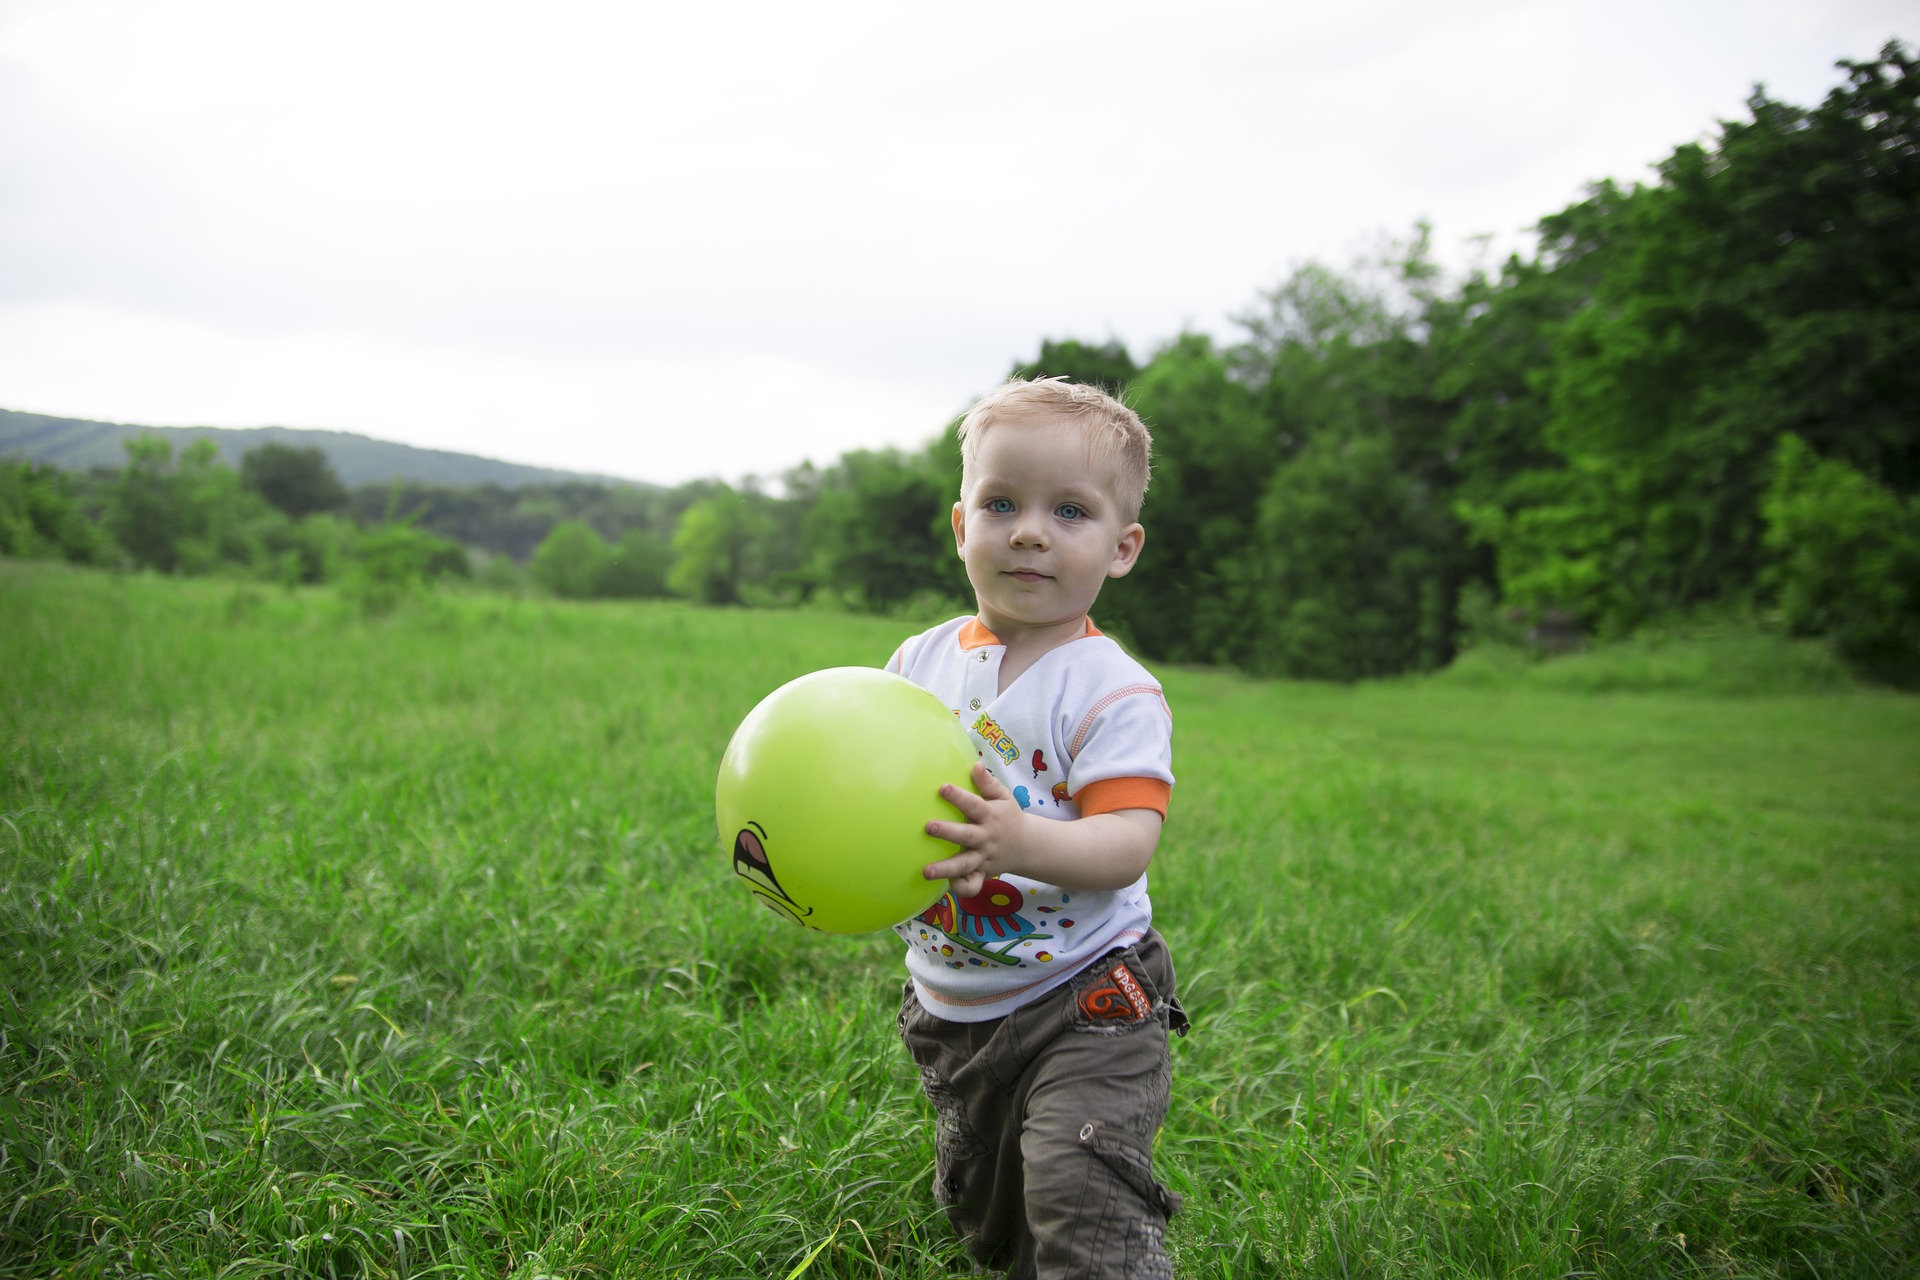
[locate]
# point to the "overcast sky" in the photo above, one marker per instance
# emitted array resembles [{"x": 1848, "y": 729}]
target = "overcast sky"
[{"x": 667, "y": 241}]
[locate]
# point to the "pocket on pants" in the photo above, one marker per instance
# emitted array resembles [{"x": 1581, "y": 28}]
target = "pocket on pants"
[
  {"x": 1112, "y": 996},
  {"x": 1130, "y": 1160},
  {"x": 1139, "y": 1236}
]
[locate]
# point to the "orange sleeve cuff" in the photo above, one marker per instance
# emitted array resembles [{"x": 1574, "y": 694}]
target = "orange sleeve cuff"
[{"x": 1111, "y": 794}]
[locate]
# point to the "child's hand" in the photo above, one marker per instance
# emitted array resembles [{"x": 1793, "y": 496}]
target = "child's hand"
[
  {"x": 1102, "y": 851},
  {"x": 989, "y": 839}
]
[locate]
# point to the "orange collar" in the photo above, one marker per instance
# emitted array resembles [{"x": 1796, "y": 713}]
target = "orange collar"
[{"x": 974, "y": 635}]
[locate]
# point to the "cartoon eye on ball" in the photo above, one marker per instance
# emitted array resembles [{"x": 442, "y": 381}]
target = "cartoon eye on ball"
[{"x": 751, "y": 863}]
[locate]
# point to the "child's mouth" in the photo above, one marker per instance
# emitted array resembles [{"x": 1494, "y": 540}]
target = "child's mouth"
[{"x": 1026, "y": 575}]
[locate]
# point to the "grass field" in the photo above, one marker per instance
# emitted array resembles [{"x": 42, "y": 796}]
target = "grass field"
[{"x": 406, "y": 947}]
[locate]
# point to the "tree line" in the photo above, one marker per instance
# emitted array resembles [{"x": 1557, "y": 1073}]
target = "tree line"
[
  {"x": 1695, "y": 393},
  {"x": 281, "y": 517}
]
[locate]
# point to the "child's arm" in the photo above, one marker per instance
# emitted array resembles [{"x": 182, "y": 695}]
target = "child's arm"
[{"x": 1100, "y": 851}]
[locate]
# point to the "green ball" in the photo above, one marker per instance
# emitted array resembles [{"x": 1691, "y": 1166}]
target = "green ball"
[{"x": 825, "y": 793}]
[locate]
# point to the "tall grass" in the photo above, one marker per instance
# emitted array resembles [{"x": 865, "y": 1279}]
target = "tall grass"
[{"x": 405, "y": 947}]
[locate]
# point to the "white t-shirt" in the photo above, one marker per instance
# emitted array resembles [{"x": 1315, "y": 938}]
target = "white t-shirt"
[{"x": 1084, "y": 730}]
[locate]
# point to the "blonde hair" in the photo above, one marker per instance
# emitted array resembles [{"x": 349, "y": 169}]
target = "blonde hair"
[{"x": 1116, "y": 438}]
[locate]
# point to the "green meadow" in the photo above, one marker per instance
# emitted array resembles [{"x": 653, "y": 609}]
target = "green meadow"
[{"x": 405, "y": 946}]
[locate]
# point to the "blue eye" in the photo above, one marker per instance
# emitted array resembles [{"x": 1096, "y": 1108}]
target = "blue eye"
[
  {"x": 1070, "y": 511},
  {"x": 999, "y": 506}
]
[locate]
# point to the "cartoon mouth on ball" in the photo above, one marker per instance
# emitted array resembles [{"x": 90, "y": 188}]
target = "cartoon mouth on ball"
[{"x": 750, "y": 862}]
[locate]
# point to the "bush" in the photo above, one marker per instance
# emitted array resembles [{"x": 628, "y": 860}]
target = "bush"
[
  {"x": 498, "y": 572},
  {"x": 41, "y": 518},
  {"x": 190, "y": 517},
  {"x": 1846, "y": 561},
  {"x": 570, "y": 562},
  {"x": 392, "y": 562},
  {"x": 636, "y": 566},
  {"x": 308, "y": 551},
  {"x": 299, "y": 482}
]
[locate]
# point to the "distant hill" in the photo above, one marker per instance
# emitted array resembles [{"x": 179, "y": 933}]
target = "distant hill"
[{"x": 77, "y": 444}]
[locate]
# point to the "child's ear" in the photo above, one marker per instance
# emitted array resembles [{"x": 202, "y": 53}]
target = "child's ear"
[
  {"x": 1127, "y": 552},
  {"x": 959, "y": 529}
]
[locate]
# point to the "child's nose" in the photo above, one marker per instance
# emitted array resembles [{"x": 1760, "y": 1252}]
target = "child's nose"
[{"x": 1029, "y": 534}]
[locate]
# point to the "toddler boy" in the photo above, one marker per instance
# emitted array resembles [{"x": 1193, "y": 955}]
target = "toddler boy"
[{"x": 1040, "y": 997}]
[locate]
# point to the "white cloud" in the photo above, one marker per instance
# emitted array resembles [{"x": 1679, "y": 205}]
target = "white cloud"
[
  {"x": 518, "y": 231},
  {"x": 635, "y": 417}
]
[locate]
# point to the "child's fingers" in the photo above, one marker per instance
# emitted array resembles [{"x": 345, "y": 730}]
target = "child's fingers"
[
  {"x": 959, "y": 833},
  {"x": 954, "y": 868},
  {"x": 972, "y": 807},
  {"x": 969, "y": 886}
]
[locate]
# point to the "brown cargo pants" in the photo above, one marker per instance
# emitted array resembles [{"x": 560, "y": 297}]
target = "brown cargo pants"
[{"x": 1043, "y": 1145}]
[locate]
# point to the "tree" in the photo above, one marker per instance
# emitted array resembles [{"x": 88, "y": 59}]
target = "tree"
[
  {"x": 513, "y": 522},
  {"x": 636, "y": 566},
  {"x": 1357, "y": 559},
  {"x": 1490, "y": 344},
  {"x": 393, "y": 561},
  {"x": 1846, "y": 560},
  {"x": 41, "y": 516},
  {"x": 712, "y": 548},
  {"x": 1190, "y": 597},
  {"x": 299, "y": 482},
  {"x": 880, "y": 528},
  {"x": 142, "y": 514},
  {"x": 317, "y": 549},
  {"x": 1765, "y": 286},
  {"x": 1107, "y": 366},
  {"x": 571, "y": 562},
  {"x": 1356, "y": 580},
  {"x": 193, "y": 517}
]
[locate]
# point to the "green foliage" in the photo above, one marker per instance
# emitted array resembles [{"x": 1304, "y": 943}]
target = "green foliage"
[
  {"x": 1484, "y": 623},
  {"x": 575, "y": 563},
  {"x": 316, "y": 549},
  {"x": 143, "y": 512},
  {"x": 716, "y": 545},
  {"x": 636, "y": 566},
  {"x": 570, "y": 562},
  {"x": 881, "y": 523},
  {"x": 1359, "y": 554},
  {"x": 1193, "y": 592},
  {"x": 1767, "y": 285},
  {"x": 194, "y": 517},
  {"x": 394, "y": 562},
  {"x": 1356, "y": 580},
  {"x": 1847, "y": 560},
  {"x": 41, "y": 518},
  {"x": 1567, "y": 539},
  {"x": 514, "y": 521},
  {"x": 1107, "y": 366},
  {"x": 199, "y": 517},
  {"x": 297, "y": 482},
  {"x": 498, "y": 573}
]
